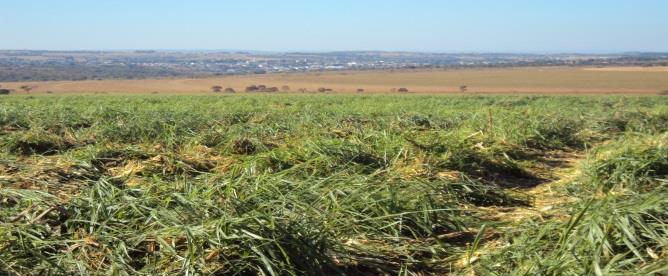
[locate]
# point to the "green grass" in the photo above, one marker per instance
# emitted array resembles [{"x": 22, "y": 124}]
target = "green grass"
[
  {"x": 618, "y": 225},
  {"x": 330, "y": 184}
]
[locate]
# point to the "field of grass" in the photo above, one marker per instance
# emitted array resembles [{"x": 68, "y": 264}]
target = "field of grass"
[
  {"x": 536, "y": 80},
  {"x": 333, "y": 184}
]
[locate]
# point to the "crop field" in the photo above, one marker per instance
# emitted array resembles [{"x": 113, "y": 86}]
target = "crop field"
[
  {"x": 336, "y": 184},
  {"x": 535, "y": 80}
]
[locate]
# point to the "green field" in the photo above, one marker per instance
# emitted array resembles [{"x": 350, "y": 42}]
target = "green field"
[{"x": 333, "y": 184}]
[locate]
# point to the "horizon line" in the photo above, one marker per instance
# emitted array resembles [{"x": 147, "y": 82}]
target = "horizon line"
[{"x": 348, "y": 51}]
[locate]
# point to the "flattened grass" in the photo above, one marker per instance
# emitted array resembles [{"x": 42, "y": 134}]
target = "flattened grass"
[
  {"x": 619, "y": 225},
  {"x": 290, "y": 185}
]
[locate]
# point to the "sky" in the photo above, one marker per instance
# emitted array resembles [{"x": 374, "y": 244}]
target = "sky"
[{"x": 509, "y": 26}]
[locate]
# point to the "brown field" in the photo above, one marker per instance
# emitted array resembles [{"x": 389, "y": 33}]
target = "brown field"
[
  {"x": 560, "y": 80},
  {"x": 631, "y": 69}
]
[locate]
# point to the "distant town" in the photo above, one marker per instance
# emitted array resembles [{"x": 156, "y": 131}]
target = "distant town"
[{"x": 25, "y": 65}]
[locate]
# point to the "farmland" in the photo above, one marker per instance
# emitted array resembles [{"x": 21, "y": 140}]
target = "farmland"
[
  {"x": 534, "y": 80},
  {"x": 338, "y": 184}
]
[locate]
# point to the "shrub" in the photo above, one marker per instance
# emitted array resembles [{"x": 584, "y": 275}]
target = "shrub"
[{"x": 216, "y": 88}]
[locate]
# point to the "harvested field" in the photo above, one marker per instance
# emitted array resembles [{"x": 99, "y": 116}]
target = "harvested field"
[
  {"x": 560, "y": 80},
  {"x": 333, "y": 185},
  {"x": 631, "y": 69}
]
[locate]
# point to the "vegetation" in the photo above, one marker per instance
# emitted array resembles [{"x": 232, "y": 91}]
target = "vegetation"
[
  {"x": 216, "y": 88},
  {"x": 617, "y": 223},
  {"x": 333, "y": 184}
]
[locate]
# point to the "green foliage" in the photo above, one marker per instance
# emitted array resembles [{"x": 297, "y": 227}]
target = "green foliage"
[
  {"x": 36, "y": 142},
  {"x": 605, "y": 236},
  {"x": 327, "y": 184},
  {"x": 633, "y": 164},
  {"x": 619, "y": 225}
]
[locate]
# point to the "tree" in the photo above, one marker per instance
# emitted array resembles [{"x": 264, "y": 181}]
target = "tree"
[
  {"x": 230, "y": 90},
  {"x": 27, "y": 88},
  {"x": 360, "y": 90},
  {"x": 216, "y": 88},
  {"x": 5, "y": 91},
  {"x": 252, "y": 88},
  {"x": 463, "y": 88},
  {"x": 403, "y": 90}
]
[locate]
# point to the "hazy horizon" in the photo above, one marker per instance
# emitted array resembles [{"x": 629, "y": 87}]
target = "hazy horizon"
[
  {"x": 514, "y": 26},
  {"x": 253, "y": 51}
]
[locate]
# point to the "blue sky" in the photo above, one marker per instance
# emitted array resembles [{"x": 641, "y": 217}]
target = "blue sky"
[{"x": 326, "y": 25}]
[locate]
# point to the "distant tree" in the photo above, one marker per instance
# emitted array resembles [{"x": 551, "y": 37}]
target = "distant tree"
[
  {"x": 230, "y": 90},
  {"x": 463, "y": 88},
  {"x": 303, "y": 90},
  {"x": 216, "y": 88},
  {"x": 271, "y": 89},
  {"x": 5, "y": 91},
  {"x": 664, "y": 93},
  {"x": 322, "y": 90},
  {"x": 27, "y": 88},
  {"x": 285, "y": 88},
  {"x": 252, "y": 88},
  {"x": 360, "y": 90},
  {"x": 403, "y": 90}
]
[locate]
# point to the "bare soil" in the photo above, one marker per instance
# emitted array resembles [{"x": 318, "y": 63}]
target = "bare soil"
[{"x": 536, "y": 80}]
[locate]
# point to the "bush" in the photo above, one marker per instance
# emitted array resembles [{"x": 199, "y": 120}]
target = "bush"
[{"x": 216, "y": 88}]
